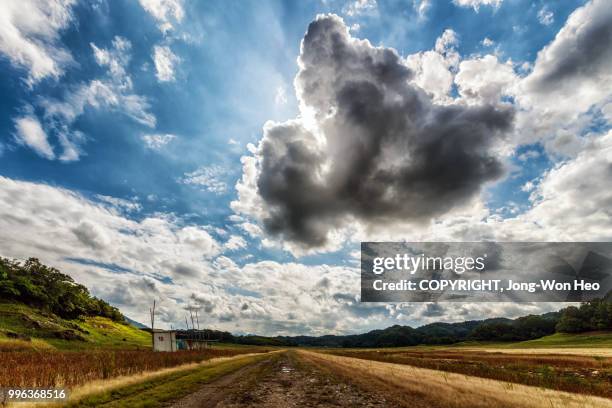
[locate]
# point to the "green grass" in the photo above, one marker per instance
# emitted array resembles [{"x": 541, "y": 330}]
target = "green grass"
[
  {"x": 594, "y": 339},
  {"x": 560, "y": 340},
  {"x": 44, "y": 328},
  {"x": 161, "y": 390}
]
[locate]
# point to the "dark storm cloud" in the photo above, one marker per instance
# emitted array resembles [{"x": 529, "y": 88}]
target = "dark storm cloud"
[
  {"x": 387, "y": 152},
  {"x": 585, "y": 53}
]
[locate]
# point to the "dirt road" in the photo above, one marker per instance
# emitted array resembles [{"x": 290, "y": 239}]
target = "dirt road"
[
  {"x": 282, "y": 381},
  {"x": 308, "y": 379}
]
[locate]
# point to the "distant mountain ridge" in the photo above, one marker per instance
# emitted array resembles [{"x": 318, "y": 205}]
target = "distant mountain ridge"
[
  {"x": 595, "y": 315},
  {"x": 135, "y": 323},
  {"x": 433, "y": 333}
]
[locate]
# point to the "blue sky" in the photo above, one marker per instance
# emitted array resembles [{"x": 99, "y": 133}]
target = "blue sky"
[{"x": 146, "y": 109}]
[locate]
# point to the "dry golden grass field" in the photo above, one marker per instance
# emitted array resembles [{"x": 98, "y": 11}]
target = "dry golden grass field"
[{"x": 242, "y": 377}]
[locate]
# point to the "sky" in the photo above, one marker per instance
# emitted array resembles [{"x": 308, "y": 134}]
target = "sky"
[{"x": 231, "y": 156}]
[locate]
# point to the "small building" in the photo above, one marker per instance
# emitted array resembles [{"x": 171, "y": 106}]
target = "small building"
[
  {"x": 164, "y": 340},
  {"x": 175, "y": 340}
]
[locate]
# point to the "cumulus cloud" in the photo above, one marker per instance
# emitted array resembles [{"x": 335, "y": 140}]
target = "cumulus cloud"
[
  {"x": 580, "y": 52},
  {"x": 165, "y": 63},
  {"x": 476, "y": 4},
  {"x": 433, "y": 69},
  {"x": 573, "y": 201},
  {"x": 30, "y": 35},
  {"x": 370, "y": 146},
  {"x": 131, "y": 262},
  {"x": 157, "y": 141},
  {"x": 485, "y": 79},
  {"x": 235, "y": 242},
  {"x": 30, "y": 132},
  {"x": 570, "y": 75}
]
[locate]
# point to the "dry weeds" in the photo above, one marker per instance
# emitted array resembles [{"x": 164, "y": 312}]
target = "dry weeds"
[
  {"x": 100, "y": 386},
  {"x": 431, "y": 388},
  {"x": 68, "y": 369}
]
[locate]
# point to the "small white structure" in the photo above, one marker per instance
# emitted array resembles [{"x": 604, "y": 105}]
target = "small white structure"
[{"x": 164, "y": 340}]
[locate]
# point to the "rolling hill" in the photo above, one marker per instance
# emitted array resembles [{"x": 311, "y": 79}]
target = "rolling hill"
[
  {"x": 41, "y": 307},
  {"x": 22, "y": 326}
]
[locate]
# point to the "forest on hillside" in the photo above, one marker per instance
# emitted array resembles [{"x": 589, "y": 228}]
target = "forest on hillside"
[{"x": 46, "y": 288}]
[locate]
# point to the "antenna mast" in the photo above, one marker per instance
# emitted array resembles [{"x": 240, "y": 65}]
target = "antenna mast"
[{"x": 152, "y": 312}]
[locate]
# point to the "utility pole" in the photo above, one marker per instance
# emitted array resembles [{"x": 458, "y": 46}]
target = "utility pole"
[
  {"x": 152, "y": 312},
  {"x": 197, "y": 319}
]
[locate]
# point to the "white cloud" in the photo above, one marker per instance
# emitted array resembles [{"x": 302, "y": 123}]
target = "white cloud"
[
  {"x": 487, "y": 42},
  {"x": 129, "y": 262},
  {"x": 447, "y": 41},
  {"x": 485, "y": 79},
  {"x": 432, "y": 74},
  {"x": 573, "y": 202},
  {"x": 252, "y": 229},
  {"x": 30, "y": 35},
  {"x": 570, "y": 75},
  {"x": 157, "y": 141},
  {"x": 113, "y": 92},
  {"x": 210, "y": 178},
  {"x": 476, "y": 4},
  {"x": 421, "y": 7},
  {"x": 280, "y": 98},
  {"x": 198, "y": 239},
  {"x": 359, "y": 7},
  {"x": 165, "y": 63},
  {"x": 31, "y": 133},
  {"x": 165, "y": 12},
  {"x": 606, "y": 111},
  {"x": 433, "y": 69},
  {"x": 99, "y": 94},
  {"x": 116, "y": 59},
  {"x": 120, "y": 204},
  {"x": 545, "y": 16},
  {"x": 249, "y": 201},
  {"x": 528, "y": 155},
  {"x": 528, "y": 186},
  {"x": 235, "y": 242}
]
